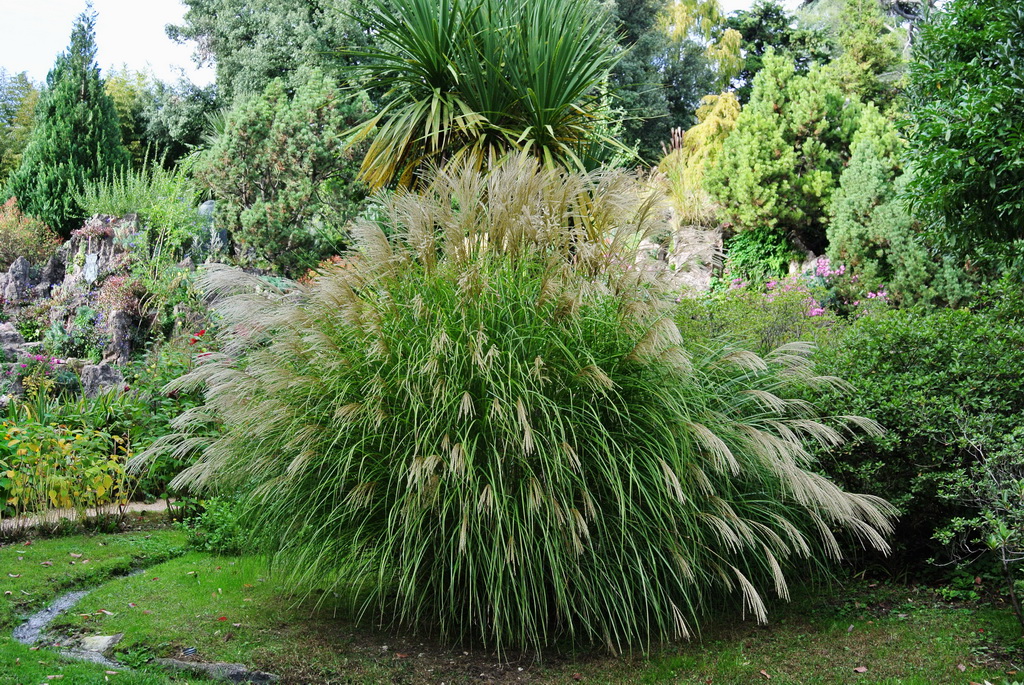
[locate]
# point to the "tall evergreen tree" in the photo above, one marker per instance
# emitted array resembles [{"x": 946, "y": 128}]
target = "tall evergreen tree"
[
  {"x": 767, "y": 25},
  {"x": 18, "y": 98},
  {"x": 778, "y": 168},
  {"x": 76, "y": 138}
]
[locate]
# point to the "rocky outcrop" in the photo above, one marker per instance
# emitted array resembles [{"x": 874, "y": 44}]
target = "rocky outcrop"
[
  {"x": 11, "y": 341},
  {"x": 119, "y": 350},
  {"x": 97, "y": 378},
  {"x": 16, "y": 284}
]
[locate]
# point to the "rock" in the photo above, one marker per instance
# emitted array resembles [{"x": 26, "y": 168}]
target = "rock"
[
  {"x": 100, "y": 643},
  {"x": 205, "y": 210},
  {"x": 18, "y": 277},
  {"x": 98, "y": 377},
  {"x": 53, "y": 271},
  {"x": 233, "y": 673},
  {"x": 119, "y": 350},
  {"x": 11, "y": 341},
  {"x": 9, "y": 335}
]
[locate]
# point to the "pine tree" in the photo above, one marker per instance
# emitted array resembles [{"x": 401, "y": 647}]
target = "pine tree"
[
  {"x": 76, "y": 138},
  {"x": 778, "y": 168},
  {"x": 18, "y": 98},
  {"x": 873, "y": 232}
]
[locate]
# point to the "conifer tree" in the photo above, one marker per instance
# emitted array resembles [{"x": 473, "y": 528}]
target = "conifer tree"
[
  {"x": 76, "y": 137},
  {"x": 873, "y": 232},
  {"x": 18, "y": 98},
  {"x": 778, "y": 168}
]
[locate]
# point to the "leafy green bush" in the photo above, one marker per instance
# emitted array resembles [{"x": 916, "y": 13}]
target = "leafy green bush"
[
  {"x": 164, "y": 199},
  {"x": 216, "y": 528},
  {"x": 24, "y": 236},
  {"x": 966, "y": 114},
  {"x": 153, "y": 409},
  {"x": 283, "y": 173},
  {"x": 936, "y": 381},
  {"x": 487, "y": 425},
  {"x": 47, "y": 465}
]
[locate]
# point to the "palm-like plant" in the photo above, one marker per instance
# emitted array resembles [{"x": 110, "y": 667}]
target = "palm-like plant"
[
  {"x": 489, "y": 425},
  {"x": 474, "y": 79}
]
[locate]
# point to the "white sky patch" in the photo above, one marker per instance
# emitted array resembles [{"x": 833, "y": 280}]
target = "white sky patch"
[
  {"x": 34, "y": 32},
  {"x": 128, "y": 32}
]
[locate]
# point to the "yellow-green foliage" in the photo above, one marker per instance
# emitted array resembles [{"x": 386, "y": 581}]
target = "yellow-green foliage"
[
  {"x": 702, "y": 20},
  {"x": 46, "y": 466},
  {"x": 684, "y": 166}
]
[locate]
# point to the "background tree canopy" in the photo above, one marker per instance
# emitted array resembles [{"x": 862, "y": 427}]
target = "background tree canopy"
[{"x": 77, "y": 135}]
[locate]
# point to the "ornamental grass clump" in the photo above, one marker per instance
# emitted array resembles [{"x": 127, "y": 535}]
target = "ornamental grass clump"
[{"x": 487, "y": 425}]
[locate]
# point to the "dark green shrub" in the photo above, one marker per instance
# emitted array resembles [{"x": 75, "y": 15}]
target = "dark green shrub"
[
  {"x": 936, "y": 381},
  {"x": 76, "y": 135},
  {"x": 283, "y": 173},
  {"x": 488, "y": 425}
]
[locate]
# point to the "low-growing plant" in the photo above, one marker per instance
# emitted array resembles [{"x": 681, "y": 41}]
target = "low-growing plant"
[
  {"x": 82, "y": 337},
  {"x": 41, "y": 373},
  {"x": 489, "y": 425},
  {"x": 24, "y": 236},
  {"x": 46, "y": 465},
  {"x": 215, "y": 528},
  {"x": 760, "y": 317}
]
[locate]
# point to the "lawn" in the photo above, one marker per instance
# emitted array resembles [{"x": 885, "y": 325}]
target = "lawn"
[
  {"x": 230, "y": 609},
  {"x": 33, "y": 572}
]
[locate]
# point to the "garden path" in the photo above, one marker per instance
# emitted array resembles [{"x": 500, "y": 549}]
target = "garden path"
[{"x": 53, "y": 517}]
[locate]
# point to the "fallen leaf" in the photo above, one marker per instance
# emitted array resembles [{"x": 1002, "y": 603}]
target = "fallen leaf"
[
  {"x": 132, "y": 604},
  {"x": 104, "y": 611},
  {"x": 246, "y": 599},
  {"x": 850, "y": 629},
  {"x": 85, "y": 561},
  {"x": 14, "y": 575},
  {"x": 7, "y": 592},
  {"x": 46, "y": 563},
  {"x": 861, "y": 669},
  {"x": 223, "y": 618},
  {"x": 54, "y": 677},
  {"x": 237, "y": 625},
  {"x": 75, "y": 556},
  {"x": 765, "y": 674},
  {"x": 146, "y": 611},
  {"x": 401, "y": 656},
  {"x": 111, "y": 672},
  {"x": 228, "y": 636},
  {"x": 961, "y": 667}
]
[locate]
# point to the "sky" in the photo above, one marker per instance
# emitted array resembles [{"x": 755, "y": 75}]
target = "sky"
[{"x": 128, "y": 32}]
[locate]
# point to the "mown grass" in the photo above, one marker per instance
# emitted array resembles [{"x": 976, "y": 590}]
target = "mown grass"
[
  {"x": 229, "y": 609},
  {"x": 34, "y": 572}
]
